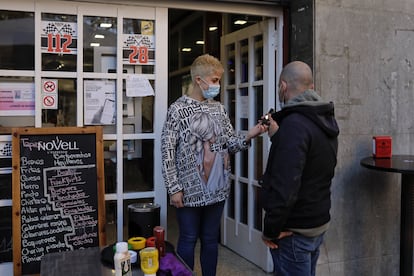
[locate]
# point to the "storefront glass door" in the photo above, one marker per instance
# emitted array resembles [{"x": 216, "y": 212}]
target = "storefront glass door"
[
  {"x": 80, "y": 64},
  {"x": 253, "y": 59},
  {"x": 63, "y": 45}
]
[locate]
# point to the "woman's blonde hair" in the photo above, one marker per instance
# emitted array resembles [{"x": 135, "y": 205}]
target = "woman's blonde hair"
[{"x": 205, "y": 65}]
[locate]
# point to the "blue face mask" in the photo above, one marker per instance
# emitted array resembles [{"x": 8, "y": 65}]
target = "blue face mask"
[{"x": 212, "y": 91}]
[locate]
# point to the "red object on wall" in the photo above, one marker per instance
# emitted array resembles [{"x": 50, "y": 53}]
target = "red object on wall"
[{"x": 382, "y": 146}]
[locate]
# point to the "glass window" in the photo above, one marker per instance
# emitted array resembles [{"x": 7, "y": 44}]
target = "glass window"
[
  {"x": 230, "y": 201},
  {"x": 100, "y": 103},
  {"x": 231, "y": 105},
  {"x": 110, "y": 166},
  {"x": 138, "y": 49},
  {"x": 258, "y": 57},
  {"x": 258, "y": 102},
  {"x": 16, "y": 40},
  {"x": 258, "y": 211},
  {"x": 99, "y": 44},
  {"x": 231, "y": 111},
  {"x": 59, "y": 33},
  {"x": 258, "y": 141},
  {"x": 231, "y": 66},
  {"x": 111, "y": 219},
  {"x": 17, "y": 101},
  {"x": 244, "y": 72},
  {"x": 138, "y": 113},
  {"x": 128, "y": 159},
  {"x": 258, "y": 156},
  {"x": 244, "y": 163},
  {"x": 138, "y": 165},
  {"x": 243, "y": 207},
  {"x": 244, "y": 110},
  {"x": 63, "y": 108}
]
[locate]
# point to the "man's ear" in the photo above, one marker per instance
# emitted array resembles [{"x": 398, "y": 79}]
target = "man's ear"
[{"x": 283, "y": 84}]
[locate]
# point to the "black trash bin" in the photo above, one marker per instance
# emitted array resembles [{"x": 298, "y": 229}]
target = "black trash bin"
[{"x": 143, "y": 217}]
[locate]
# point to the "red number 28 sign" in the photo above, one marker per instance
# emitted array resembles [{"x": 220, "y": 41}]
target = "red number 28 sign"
[
  {"x": 138, "y": 49},
  {"x": 139, "y": 54}
]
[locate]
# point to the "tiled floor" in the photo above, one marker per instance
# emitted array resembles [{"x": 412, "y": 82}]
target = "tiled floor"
[{"x": 229, "y": 262}]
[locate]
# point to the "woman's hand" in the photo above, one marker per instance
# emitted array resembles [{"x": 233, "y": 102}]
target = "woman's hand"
[
  {"x": 255, "y": 131},
  {"x": 177, "y": 200}
]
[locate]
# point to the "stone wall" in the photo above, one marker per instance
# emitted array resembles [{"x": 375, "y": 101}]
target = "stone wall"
[{"x": 364, "y": 63}]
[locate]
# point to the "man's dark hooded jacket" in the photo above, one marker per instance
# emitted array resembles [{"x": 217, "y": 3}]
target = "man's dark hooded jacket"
[{"x": 301, "y": 164}]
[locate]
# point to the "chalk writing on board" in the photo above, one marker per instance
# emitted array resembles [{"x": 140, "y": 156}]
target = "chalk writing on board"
[
  {"x": 57, "y": 200},
  {"x": 65, "y": 190}
]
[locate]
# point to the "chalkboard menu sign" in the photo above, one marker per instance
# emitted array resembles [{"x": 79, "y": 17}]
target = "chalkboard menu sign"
[{"x": 58, "y": 193}]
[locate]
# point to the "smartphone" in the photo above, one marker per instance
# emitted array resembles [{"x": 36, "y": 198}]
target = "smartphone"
[
  {"x": 266, "y": 119},
  {"x": 108, "y": 112}
]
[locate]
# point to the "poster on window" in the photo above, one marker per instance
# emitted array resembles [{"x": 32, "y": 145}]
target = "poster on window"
[
  {"x": 99, "y": 102},
  {"x": 138, "y": 49},
  {"x": 17, "y": 99},
  {"x": 59, "y": 37}
]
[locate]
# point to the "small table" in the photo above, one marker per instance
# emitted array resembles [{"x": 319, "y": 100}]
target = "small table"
[
  {"x": 403, "y": 164},
  {"x": 87, "y": 262},
  {"x": 78, "y": 262}
]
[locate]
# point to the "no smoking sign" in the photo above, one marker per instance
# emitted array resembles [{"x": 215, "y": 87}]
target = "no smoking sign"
[
  {"x": 49, "y": 94},
  {"x": 48, "y": 101}
]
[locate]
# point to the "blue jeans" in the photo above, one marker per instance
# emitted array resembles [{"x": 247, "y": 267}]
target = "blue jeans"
[
  {"x": 296, "y": 255},
  {"x": 204, "y": 223}
]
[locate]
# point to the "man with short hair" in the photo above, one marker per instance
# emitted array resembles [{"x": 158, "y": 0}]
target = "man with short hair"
[{"x": 301, "y": 164}]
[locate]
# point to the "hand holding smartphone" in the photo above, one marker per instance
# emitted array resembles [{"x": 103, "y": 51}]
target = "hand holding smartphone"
[{"x": 266, "y": 118}]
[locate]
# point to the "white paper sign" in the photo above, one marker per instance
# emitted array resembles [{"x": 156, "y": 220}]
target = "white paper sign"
[
  {"x": 138, "y": 86},
  {"x": 99, "y": 102}
]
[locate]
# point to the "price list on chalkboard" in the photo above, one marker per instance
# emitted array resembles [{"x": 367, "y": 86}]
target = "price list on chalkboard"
[{"x": 58, "y": 195}]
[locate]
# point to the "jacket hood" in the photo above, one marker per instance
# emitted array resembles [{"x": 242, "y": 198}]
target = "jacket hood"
[{"x": 310, "y": 105}]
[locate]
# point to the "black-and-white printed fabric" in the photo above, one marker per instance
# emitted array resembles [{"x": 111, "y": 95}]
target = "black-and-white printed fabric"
[{"x": 196, "y": 141}]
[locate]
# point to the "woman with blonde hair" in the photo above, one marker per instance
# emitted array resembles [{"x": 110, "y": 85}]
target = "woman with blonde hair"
[{"x": 196, "y": 140}]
